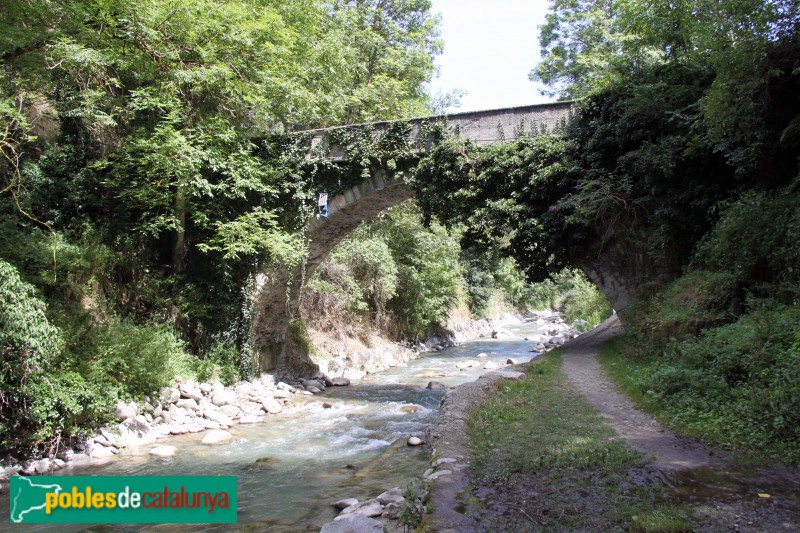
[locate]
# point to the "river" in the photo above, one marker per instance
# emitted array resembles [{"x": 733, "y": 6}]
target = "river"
[{"x": 291, "y": 468}]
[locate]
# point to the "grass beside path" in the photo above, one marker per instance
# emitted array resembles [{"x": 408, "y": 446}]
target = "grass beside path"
[{"x": 544, "y": 460}]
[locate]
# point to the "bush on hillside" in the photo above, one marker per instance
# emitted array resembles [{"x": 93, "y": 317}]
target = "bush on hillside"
[
  {"x": 734, "y": 385},
  {"x": 28, "y": 346}
]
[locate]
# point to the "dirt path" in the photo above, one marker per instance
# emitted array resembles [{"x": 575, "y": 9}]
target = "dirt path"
[
  {"x": 724, "y": 495},
  {"x": 638, "y": 430}
]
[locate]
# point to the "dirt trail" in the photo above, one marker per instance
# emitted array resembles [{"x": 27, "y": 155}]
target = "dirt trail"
[
  {"x": 723, "y": 495},
  {"x": 637, "y": 429}
]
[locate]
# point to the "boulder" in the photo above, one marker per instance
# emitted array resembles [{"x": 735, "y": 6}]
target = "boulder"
[
  {"x": 340, "y": 382},
  {"x": 163, "y": 451},
  {"x": 353, "y": 523},
  {"x": 511, "y": 361},
  {"x": 395, "y": 495},
  {"x": 434, "y": 385},
  {"x": 102, "y": 452},
  {"x": 223, "y": 397},
  {"x": 490, "y": 365},
  {"x": 415, "y": 441},
  {"x": 392, "y": 510},
  {"x": 250, "y": 419},
  {"x": 313, "y": 383},
  {"x": 188, "y": 403},
  {"x": 501, "y": 333},
  {"x": 123, "y": 411},
  {"x": 188, "y": 390},
  {"x": 217, "y": 437},
  {"x": 42, "y": 466},
  {"x": 209, "y": 424},
  {"x": 206, "y": 388},
  {"x": 218, "y": 417},
  {"x": 314, "y": 390},
  {"x": 271, "y": 405},
  {"x": 231, "y": 410},
  {"x": 281, "y": 394},
  {"x": 347, "y": 502},
  {"x": 168, "y": 395},
  {"x": 134, "y": 428},
  {"x": 101, "y": 440},
  {"x": 66, "y": 454},
  {"x": 365, "y": 508}
]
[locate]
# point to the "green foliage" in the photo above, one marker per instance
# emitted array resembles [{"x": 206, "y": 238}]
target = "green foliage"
[
  {"x": 757, "y": 241},
  {"x": 28, "y": 346},
  {"x": 412, "y": 510},
  {"x": 219, "y": 362},
  {"x": 403, "y": 276},
  {"x": 372, "y": 266},
  {"x": 697, "y": 300},
  {"x": 130, "y": 360},
  {"x": 584, "y": 302},
  {"x": 429, "y": 273},
  {"x": 583, "y": 46},
  {"x": 734, "y": 385},
  {"x": 502, "y": 195}
]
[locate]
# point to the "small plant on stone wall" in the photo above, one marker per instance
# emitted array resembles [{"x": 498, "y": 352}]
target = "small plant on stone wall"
[{"x": 413, "y": 507}]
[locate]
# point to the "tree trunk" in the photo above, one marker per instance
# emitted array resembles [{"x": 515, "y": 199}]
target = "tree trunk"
[{"x": 179, "y": 244}]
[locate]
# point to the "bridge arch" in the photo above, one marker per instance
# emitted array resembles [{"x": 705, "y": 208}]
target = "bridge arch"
[{"x": 277, "y": 299}]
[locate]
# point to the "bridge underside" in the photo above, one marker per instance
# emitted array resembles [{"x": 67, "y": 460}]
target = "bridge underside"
[
  {"x": 278, "y": 297},
  {"x": 278, "y": 345}
]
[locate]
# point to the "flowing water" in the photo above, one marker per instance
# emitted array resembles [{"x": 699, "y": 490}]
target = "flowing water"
[{"x": 292, "y": 467}]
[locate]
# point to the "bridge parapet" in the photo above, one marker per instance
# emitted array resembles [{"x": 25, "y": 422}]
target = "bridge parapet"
[{"x": 483, "y": 127}]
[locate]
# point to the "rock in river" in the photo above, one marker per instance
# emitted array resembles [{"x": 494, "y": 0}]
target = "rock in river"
[
  {"x": 366, "y": 508},
  {"x": 163, "y": 451},
  {"x": 217, "y": 437},
  {"x": 347, "y": 502}
]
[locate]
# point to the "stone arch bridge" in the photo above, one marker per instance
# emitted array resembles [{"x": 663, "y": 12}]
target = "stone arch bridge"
[{"x": 277, "y": 298}]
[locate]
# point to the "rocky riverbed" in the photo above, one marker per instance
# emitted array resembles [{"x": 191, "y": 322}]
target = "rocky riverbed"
[
  {"x": 187, "y": 407},
  {"x": 301, "y": 446}
]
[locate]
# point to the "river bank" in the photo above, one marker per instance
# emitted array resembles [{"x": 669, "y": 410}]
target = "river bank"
[
  {"x": 347, "y": 442},
  {"x": 187, "y": 407},
  {"x": 559, "y": 449}
]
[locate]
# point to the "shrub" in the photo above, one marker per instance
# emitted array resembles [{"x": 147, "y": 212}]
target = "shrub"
[
  {"x": 736, "y": 384},
  {"x": 132, "y": 360},
  {"x": 696, "y": 300},
  {"x": 28, "y": 346},
  {"x": 757, "y": 240}
]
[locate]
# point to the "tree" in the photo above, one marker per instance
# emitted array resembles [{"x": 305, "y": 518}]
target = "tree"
[{"x": 391, "y": 46}]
